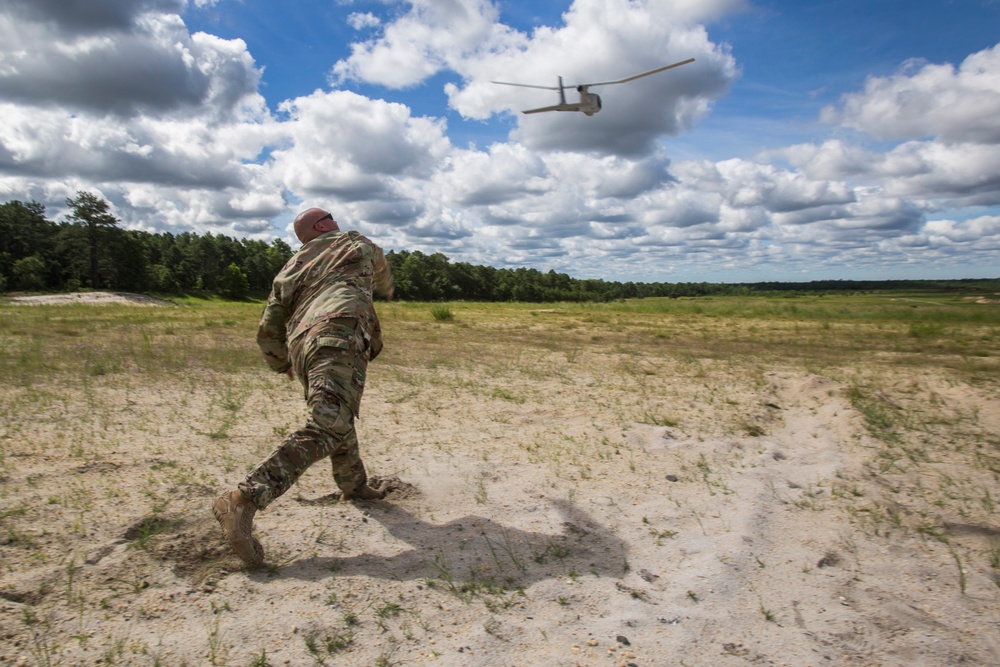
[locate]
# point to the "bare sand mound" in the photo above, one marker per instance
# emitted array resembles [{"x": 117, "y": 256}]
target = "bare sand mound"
[{"x": 92, "y": 298}]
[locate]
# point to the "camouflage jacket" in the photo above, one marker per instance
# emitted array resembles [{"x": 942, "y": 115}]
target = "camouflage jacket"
[{"x": 332, "y": 276}]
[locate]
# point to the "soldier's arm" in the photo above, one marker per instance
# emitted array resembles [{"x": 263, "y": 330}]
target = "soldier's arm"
[
  {"x": 383, "y": 275},
  {"x": 271, "y": 334}
]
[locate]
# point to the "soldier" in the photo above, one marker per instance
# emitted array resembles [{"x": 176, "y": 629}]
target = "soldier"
[{"x": 319, "y": 325}]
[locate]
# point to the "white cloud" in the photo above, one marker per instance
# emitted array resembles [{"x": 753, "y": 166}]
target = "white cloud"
[
  {"x": 833, "y": 159},
  {"x": 429, "y": 37},
  {"x": 151, "y": 67},
  {"x": 358, "y": 21},
  {"x": 126, "y": 103},
  {"x": 54, "y": 144},
  {"x": 927, "y": 171},
  {"x": 83, "y": 16},
  {"x": 504, "y": 173},
  {"x": 968, "y": 231},
  {"x": 347, "y": 146},
  {"x": 967, "y": 174},
  {"x": 930, "y": 100}
]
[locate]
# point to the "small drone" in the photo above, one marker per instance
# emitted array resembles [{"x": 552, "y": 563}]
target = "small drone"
[{"x": 590, "y": 103}]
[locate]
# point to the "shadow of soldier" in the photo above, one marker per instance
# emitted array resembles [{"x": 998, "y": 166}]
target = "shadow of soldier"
[{"x": 476, "y": 553}]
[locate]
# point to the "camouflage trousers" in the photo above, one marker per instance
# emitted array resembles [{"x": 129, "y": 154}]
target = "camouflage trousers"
[{"x": 331, "y": 363}]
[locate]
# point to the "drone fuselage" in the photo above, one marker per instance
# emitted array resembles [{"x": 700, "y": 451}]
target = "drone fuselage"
[{"x": 590, "y": 103}]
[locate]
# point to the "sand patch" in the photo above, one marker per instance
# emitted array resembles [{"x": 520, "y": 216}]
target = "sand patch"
[{"x": 91, "y": 298}]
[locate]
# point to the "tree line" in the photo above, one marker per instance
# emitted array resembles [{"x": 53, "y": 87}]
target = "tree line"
[
  {"x": 433, "y": 277},
  {"x": 90, "y": 250}
]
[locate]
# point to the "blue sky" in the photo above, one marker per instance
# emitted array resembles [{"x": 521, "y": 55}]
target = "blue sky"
[{"x": 809, "y": 140}]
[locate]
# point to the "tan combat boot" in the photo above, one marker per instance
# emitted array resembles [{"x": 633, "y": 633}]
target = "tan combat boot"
[
  {"x": 235, "y": 514},
  {"x": 364, "y": 493}
]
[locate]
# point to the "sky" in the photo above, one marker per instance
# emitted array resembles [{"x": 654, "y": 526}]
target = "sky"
[{"x": 854, "y": 140}]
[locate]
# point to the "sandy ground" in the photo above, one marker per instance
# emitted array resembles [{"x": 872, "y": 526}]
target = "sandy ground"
[
  {"x": 92, "y": 298},
  {"x": 572, "y": 515}
]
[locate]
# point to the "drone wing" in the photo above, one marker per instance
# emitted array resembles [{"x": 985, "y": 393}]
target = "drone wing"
[
  {"x": 554, "y": 107},
  {"x": 525, "y": 85},
  {"x": 639, "y": 76}
]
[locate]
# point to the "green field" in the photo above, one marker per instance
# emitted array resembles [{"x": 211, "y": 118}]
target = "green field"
[{"x": 817, "y": 332}]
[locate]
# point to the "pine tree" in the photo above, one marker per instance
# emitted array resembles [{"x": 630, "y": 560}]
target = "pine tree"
[{"x": 91, "y": 212}]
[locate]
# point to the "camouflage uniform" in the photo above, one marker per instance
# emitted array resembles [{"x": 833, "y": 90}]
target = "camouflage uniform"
[{"x": 320, "y": 321}]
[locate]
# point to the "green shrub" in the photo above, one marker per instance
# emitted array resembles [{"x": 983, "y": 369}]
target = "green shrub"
[
  {"x": 29, "y": 273},
  {"x": 442, "y": 313}
]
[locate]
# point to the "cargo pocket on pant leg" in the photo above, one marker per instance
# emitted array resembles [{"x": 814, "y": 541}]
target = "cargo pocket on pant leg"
[{"x": 338, "y": 369}]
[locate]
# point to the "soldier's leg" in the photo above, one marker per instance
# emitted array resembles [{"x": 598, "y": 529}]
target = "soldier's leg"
[
  {"x": 348, "y": 469},
  {"x": 329, "y": 422},
  {"x": 339, "y": 365}
]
